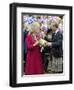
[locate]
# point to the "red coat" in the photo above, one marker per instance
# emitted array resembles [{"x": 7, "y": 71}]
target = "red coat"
[{"x": 34, "y": 58}]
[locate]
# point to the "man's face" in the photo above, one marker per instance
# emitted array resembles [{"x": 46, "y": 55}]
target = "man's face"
[{"x": 53, "y": 27}]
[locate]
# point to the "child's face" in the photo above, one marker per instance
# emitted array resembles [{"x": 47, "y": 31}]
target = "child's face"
[{"x": 49, "y": 36}]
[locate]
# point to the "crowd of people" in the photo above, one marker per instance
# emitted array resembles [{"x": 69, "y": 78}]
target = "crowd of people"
[{"x": 42, "y": 43}]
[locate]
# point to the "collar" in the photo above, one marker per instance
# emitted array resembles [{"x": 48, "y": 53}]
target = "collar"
[{"x": 56, "y": 31}]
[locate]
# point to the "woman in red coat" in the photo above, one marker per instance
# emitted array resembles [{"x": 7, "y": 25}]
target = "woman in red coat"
[{"x": 34, "y": 63}]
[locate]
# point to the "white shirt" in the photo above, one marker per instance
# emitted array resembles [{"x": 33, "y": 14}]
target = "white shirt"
[{"x": 56, "y": 31}]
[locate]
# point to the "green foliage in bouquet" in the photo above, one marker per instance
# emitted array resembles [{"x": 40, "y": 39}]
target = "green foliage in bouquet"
[{"x": 42, "y": 42}]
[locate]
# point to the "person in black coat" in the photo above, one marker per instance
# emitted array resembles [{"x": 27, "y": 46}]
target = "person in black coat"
[
  {"x": 46, "y": 52},
  {"x": 25, "y": 32},
  {"x": 57, "y": 51}
]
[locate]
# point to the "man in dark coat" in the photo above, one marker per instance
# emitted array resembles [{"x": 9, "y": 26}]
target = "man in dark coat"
[{"x": 57, "y": 51}]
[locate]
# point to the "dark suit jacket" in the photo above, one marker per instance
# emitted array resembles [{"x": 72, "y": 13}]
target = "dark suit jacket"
[{"x": 57, "y": 40}]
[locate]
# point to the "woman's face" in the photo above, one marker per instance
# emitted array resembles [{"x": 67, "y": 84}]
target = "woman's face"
[{"x": 37, "y": 29}]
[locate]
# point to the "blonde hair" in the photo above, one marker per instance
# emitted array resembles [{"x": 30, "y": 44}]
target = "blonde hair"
[{"x": 33, "y": 27}]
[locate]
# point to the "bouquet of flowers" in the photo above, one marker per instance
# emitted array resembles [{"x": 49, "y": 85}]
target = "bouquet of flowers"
[{"x": 42, "y": 42}]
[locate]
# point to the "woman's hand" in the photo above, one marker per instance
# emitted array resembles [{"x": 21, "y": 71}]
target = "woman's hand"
[{"x": 36, "y": 43}]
